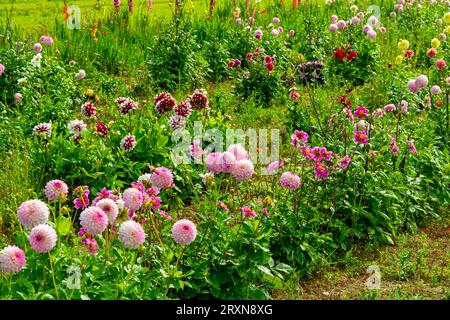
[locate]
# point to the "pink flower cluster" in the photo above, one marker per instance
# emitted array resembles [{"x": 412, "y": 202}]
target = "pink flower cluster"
[
  {"x": 419, "y": 83},
  {"x": 234, "y": 160},
  {"x": 298, "y": 136}
]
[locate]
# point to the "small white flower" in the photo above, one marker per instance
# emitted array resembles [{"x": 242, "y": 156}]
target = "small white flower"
[{"x": 36, "y": 61}]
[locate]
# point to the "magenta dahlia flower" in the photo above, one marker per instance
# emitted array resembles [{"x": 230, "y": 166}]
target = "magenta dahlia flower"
[
  {"x": 56, "y": 190},
  {"x": 131, "y": 234},
  {"x": 320, "y": 171},
  {"x": 32, "y": 213},
  {"x": 290, "y": 181},
  {"x": 248, "y": 212},
  {"x": 12, "y": 259},
  {"x": 307, "y": 152},
  {"x": 298, "y": 136},
  {"x": 361, "y": 112},
  {"x": 94, "y": 220},
  {"x": 361, "y": 137},
  {"x": 133, "y": 199},
  {"x": 162, "y": 178},
  {"x": 184, "y": 231},
  {"x": 394, "y": 147},
  {"x": 344, "y": 162},
  {"x": 411, "y": 145},
  {"x": 43, "y": 238},
  {"x": 81, "y": 194},
  {"x": 88, "y": 110}
]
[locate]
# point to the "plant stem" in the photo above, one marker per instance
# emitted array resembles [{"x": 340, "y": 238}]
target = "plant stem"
[{"x": 53, "y": 275}]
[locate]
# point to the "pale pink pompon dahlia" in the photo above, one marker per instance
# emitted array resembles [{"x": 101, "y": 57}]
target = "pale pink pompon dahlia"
[
  {"x": 162, "y": 178},
  {"x": 56, "y": 189},
  {"x": 243, "y": 170},
  {"x": 133, "y": 199},
  {"x": 131, "y": 234},
  {"x": 93, "y": 220},
  {"x": 110, "y": 208},
  {"x": 12, "y": 259},
  {"x": 33, "y": 212},
  {"x": 184, "y": 231},
  {"x": 43, "y": 238},
  {"x": 290, "y": 180}
]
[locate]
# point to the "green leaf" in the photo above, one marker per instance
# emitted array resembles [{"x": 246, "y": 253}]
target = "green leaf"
[
  {"x": 265, "y": 270},
  {"x": 283, "y": 267},
  {"x": 64, "y": 224}
]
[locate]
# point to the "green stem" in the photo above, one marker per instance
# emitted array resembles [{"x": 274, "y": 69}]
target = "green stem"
[{"x": 53, "y": 275}]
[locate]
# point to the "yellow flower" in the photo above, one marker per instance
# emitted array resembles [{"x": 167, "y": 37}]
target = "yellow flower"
[
  {"x": 353, "y": 8},
  {"x": 435, "y": 43},
  {"x": 89, "y": 92},
  {"x": 237, "y": 12},
  {"x": 268, "y": 201},
  {"x": 403, "y": 44},
  {"x": 399, "y": 59},
  {"x": 447, "y": 18}
]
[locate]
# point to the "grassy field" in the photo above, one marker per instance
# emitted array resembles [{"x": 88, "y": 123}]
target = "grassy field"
[{"x": 38, "y": 15}]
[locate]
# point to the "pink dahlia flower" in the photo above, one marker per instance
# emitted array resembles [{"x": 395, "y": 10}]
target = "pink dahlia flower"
[
  {"x": 133, "y": 199},
  {"x": 56, "y": 190},
  {"x": 238, "y": 151},
  {"x": 184, "y": 232},
  {"x": 290, "y": 181},
  {"x": 421, "y": 81},
  {"x": 196, "y": 149},
  {"x": 227, "y": 161},
  {"x": 32, "y": 213},
  {"x": 110, "y": 208},
  {"x": 94, "y": 220},
  {"x": 212, "y": 162},
  {"x": 12, "y": 259},
  {"x": 243, "y": 170},
  {"x": 37, "y": 47},
  {"x": 162, "y": 178},
  {"x": 274, "y": 167},
  {"x": 43, "y": 238},
  {"x": 131, "y": 234}
]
